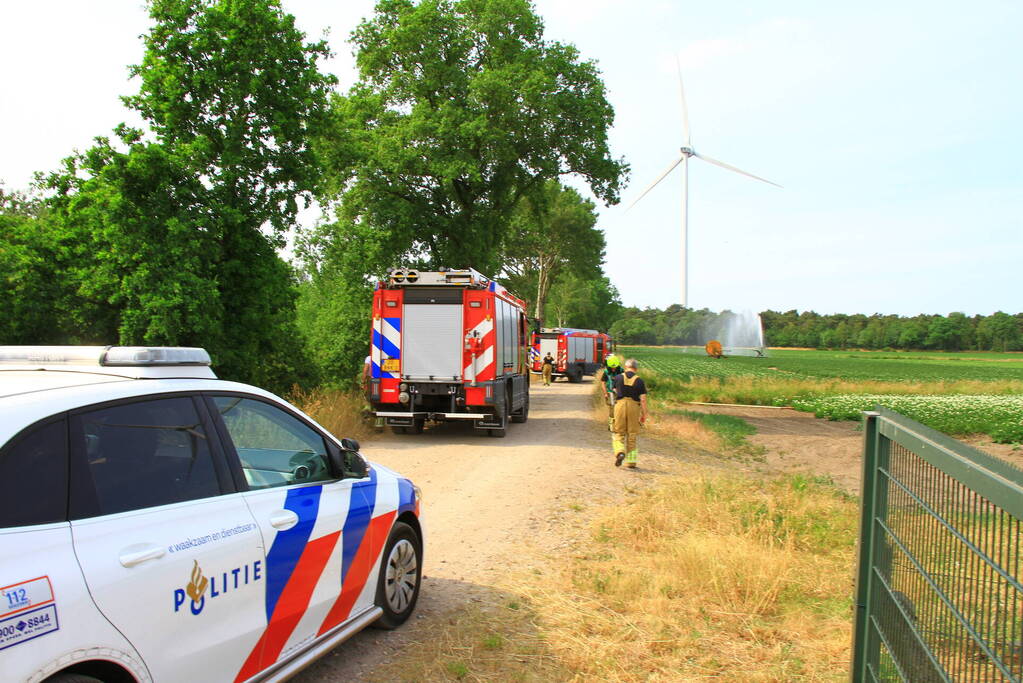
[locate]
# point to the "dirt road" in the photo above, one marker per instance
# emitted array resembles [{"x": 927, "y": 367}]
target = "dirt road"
[{"x": 489, "y": 505}]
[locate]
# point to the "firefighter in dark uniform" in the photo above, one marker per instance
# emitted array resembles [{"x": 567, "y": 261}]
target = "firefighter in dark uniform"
[
  {"x": 630, "y": 413},
  {"x": 547, "y": 368}
]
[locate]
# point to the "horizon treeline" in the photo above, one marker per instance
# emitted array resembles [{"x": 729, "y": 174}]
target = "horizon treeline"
[{"x": 953, "y": 332}]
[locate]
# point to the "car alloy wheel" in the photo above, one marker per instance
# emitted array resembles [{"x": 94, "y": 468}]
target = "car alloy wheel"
[{"x": 402, "y": 575}]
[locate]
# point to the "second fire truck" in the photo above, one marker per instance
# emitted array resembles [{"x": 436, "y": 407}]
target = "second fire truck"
[
  {"x": 448, "y": 345},
  {"x": 575, "y": 352}
]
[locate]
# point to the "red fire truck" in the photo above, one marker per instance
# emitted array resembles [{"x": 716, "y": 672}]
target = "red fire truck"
[
  {"x": 448, "y": 345},
  {"x": 576, "y": 352}
]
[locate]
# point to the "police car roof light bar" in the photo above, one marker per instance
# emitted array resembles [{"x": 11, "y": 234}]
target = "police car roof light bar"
[
  {"x": 108, "y": 356},
  {"x": 132, "y": 356}
]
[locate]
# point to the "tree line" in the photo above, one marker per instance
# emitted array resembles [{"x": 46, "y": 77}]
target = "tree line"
[
  {"x": 953, "y": 332},
  {"x": 449, "y": 149}
]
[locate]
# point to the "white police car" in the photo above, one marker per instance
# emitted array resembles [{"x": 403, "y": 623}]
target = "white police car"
[{"x": 157, "y": 523}]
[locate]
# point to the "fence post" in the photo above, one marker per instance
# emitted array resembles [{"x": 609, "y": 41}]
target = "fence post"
[{"x": 868, "y": 506}]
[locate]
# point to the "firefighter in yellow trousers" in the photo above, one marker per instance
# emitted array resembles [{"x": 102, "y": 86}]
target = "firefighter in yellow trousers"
[
  {"x": 547, "y": 368},
  {"x": 630, "y": 413}
]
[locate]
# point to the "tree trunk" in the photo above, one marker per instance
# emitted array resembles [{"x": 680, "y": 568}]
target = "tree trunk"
[{"x": 543, "y": 285}]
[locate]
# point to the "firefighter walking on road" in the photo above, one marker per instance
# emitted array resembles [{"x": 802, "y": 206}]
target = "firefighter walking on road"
[
  {"x": 612, "y": 368},
  {"x": 630, "y": 412},
  {"x": 548, "y": 368}
]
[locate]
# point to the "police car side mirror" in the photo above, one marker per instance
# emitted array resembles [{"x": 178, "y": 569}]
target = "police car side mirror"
[
  {"x": 347, "y": 463},
  {"x": 355, "y": 466}
]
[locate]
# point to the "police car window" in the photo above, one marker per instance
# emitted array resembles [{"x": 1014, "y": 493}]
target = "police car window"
[
  {"x": 33, "y": 477},
  {"x": 146, "y": 454},
  {"x": 274, "y": 447}
]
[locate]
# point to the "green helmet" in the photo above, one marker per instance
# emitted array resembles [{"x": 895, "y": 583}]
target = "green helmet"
[{"x": 613, "y": 362}]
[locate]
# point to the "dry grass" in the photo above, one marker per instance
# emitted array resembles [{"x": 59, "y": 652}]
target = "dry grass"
[
  {"x": 498, "y": 643},
  {"x": 719, "y": 577},
  {"x": 342, "y": 413},
  {"x": 664, "y": 424},
  {"x": 687, "y": 430}
]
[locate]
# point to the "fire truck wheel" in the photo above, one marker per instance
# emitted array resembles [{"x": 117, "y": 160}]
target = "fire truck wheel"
[{"x": 575, "y": 375}]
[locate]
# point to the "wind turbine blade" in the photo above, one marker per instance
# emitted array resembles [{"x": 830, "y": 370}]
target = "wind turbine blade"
[
  {"x": 685, "y": 108},
  {"x": 733, "y": 168},
  {"x": 659, "y": 179}
]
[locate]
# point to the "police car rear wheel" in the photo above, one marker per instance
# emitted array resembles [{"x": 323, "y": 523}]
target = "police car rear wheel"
[{"x": 400, "y": 576}]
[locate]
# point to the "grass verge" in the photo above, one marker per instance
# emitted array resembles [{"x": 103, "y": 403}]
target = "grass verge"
[
  {"x": 342, "y": 413},
  {"x": 958, "y": 408},
  {"x": 782, "y": 390},
  {"x": 715, "y": 577},
  {"x": 723, "y": 434}
]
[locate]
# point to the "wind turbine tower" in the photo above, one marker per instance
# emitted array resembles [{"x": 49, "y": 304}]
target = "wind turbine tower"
[{"x": 687, "y": 152}]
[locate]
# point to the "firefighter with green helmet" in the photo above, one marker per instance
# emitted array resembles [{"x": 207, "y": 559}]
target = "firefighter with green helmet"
[
  {"x": 629, "y": 414},
  {"x": 612, "y": 368}
]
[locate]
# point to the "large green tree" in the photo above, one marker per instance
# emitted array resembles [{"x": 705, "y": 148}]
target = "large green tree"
[
  {"x": 553, "y": 233},
  {"x": 35, "y": 297},
  {"x": 139, "y": 262},
  {"x": 583, "y": 302},
  {"x": 232, "y": 90},
  {"x": 462, "y": 108},
  {"x": 176, "y": 228}
]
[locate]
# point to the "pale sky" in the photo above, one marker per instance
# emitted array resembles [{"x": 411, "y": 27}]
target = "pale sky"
[{"x": 895, "y": 129}]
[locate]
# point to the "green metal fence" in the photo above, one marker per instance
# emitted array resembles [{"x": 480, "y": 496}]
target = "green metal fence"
[{"x": 938, "y": 595}]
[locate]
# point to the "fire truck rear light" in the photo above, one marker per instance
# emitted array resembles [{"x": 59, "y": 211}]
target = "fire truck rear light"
[
  {"x": 392, "y": 304},
  {"x": 475, "y": 304},
  {"x": 490, "y": 391}
]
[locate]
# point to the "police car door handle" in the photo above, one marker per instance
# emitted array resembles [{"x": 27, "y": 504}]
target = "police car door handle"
[
  {"x": 283, "y": 520},
  {"x": 139, "y": 553}
]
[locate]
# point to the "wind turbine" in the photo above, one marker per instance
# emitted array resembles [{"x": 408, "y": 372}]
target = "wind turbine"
[{"x": 687, "y": 151}]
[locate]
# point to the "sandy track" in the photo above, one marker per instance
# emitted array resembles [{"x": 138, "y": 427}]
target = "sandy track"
[{"x": 492, "y": 506}]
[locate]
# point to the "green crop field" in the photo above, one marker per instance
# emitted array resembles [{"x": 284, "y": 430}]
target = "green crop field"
[
  {"x": 956, "y": 393},
  {"x": 851, "y": 365}
]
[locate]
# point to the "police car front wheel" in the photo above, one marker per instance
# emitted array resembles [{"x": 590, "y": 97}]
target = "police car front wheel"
[{"x": 398, "y": 586}]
